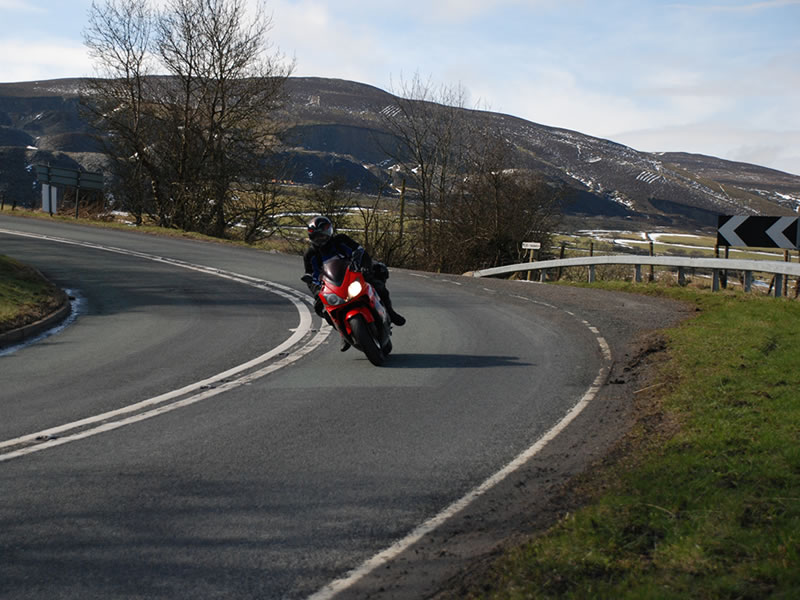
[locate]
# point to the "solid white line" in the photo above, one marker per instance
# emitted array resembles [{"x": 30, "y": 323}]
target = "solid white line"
[
  {"x": 393, "y": 551},
  {"x": 158, "y": 411},
  {"x": 295, "y": 297},
  {"x": 305, "y": 325}
]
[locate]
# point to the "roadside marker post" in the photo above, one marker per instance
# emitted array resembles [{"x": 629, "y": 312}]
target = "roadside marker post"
[{"x": 530, "y": 247}]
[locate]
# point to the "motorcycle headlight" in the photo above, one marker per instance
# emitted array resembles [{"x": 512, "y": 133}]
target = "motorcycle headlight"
[
  {"x": 354, "y": 289},
  {"x": 334, "y": 300}
]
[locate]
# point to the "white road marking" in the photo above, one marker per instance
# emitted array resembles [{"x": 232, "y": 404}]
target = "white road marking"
[
  {"x": 196, "y": 392},
  {"x": 393, "y": 551},
  {"x": 51, "y": 442},
  {"x": 204, "y": 391}
]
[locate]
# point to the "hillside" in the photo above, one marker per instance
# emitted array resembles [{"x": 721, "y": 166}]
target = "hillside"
[{"x": 333, "y": 128}]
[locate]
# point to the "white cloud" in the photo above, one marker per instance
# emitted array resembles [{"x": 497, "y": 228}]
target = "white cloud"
[
  {"x": 20, "y": 6},
  {"x": 327, "y": 44},
  {"x": 775, "y": 149},
  {"x": 742, "y": 8},
  {"x": 24, "y": 61},
  {"x": 450, "y": 11}
]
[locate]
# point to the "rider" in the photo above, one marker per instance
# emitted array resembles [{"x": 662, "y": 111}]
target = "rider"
[{"x": 325, "y": 244}]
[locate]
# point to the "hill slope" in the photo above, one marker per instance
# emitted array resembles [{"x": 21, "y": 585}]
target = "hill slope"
[{"x": 334, "y": 129}]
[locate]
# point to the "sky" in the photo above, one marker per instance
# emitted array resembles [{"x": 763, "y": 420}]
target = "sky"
[{"x": 716, "y": 77}]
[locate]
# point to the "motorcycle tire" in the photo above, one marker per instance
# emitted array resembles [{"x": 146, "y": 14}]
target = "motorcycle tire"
[{"x": 366, "y": 341}]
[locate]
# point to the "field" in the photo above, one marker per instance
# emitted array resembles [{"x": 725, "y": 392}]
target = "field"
[{"x": 705, "y": 500}]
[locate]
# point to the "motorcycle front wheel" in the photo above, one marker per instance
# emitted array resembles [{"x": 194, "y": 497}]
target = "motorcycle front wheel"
[{"x": 366, "y": 341}]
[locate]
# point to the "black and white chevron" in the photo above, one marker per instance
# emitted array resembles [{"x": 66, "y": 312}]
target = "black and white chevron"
[{"x": 758, "y": 232}]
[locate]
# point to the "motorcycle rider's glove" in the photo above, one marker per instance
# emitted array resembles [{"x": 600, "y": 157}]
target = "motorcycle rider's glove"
[
  {"x": 314, "y": 288},
  {"x": 357, "y": 258}
]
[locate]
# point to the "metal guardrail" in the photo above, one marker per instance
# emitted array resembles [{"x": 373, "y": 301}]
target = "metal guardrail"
[{"x": 715, "y": 265}]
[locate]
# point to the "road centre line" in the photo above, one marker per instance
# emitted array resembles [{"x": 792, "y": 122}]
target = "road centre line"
[
  {"x": 198, "y": 391},
  {"x": 165, "y": 408}
]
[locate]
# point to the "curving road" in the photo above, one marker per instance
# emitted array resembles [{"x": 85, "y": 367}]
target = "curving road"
[{"x": 196, "y": 434}]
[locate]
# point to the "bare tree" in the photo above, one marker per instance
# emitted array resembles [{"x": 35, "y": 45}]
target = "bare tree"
[
  {"x": 427, "y": 123},
  {"x": 499, "y": 205},
  {"x": 258, "y": 209},
  {"x": 381, "y": 218},
  {"x": 331, "y": 200},
  {"x": 117, "y": 102},
  {"x": 208, "y": 121}
]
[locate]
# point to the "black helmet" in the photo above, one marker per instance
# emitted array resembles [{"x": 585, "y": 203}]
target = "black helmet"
[{"x": 320, "y": 231}]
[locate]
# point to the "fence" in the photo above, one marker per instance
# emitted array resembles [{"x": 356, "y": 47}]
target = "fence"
[{"x": 718, "y": 267}]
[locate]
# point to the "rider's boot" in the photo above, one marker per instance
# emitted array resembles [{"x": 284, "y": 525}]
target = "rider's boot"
[{"x": 397, "y": 318}]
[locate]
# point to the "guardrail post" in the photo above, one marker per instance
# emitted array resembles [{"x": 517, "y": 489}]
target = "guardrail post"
[
  {"x": 715, "y": 280},
  {"x": 681, "y": 276},
  {"x": 778, "y": 285},
  {"x": 724, "y": 277},
  {"x": 748, "y": 281},
  {"x": 591, "y": 274},
  {"x": 786, "y": 258},
  {"x": 638, "y": 273},
  {"x": 542, "y": 275}
]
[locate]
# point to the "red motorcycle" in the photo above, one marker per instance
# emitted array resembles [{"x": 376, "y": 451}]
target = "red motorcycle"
[{"x": 355, "y": 309}]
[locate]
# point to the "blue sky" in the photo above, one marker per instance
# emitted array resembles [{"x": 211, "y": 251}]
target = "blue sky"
[{"x": 718, "y": 77}]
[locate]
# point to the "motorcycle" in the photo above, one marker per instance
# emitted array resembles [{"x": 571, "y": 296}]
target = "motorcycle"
[{"x": 354, "y": 309}]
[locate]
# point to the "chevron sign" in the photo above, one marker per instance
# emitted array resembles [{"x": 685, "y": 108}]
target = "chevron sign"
[{"x": 759, "y": 232}]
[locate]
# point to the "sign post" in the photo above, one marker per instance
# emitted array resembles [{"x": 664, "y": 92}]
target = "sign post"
[
  {"x": 759, "y": 232},
  {"x": 56, "y": 176},
  {"x": 530, "y": 247}
]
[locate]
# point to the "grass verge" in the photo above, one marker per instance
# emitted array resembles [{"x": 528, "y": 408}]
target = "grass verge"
[
  {"x": 25, "y": 296},
  {"x": 710, "y": 510},
  {"x": 24, "y": 213}
]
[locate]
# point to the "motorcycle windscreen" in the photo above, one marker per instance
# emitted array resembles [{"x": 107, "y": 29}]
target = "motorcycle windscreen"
[{"x": 334, "y": 269}]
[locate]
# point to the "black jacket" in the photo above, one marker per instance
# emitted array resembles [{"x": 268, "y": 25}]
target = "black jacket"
[{"x": 339, "y": 245}]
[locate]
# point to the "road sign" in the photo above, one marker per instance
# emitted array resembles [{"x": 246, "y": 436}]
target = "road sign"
[
  {"x": 759, "y": 232},
  {"x": 531, "y": 245},
  {"x": 69, "y": 177}
]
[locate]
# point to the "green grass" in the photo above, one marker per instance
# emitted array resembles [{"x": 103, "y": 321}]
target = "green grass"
[
  {"x": 24, "y": 294},
  {"x": 709, "y": 511},
  {"x": 695, "y": 240}
]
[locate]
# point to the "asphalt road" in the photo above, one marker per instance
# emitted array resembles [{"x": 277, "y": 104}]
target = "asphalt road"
[{"x": 288, "y": 471}]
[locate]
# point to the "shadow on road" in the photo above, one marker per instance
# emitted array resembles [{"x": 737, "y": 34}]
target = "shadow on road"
[{"x": 451, "y": 361}]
